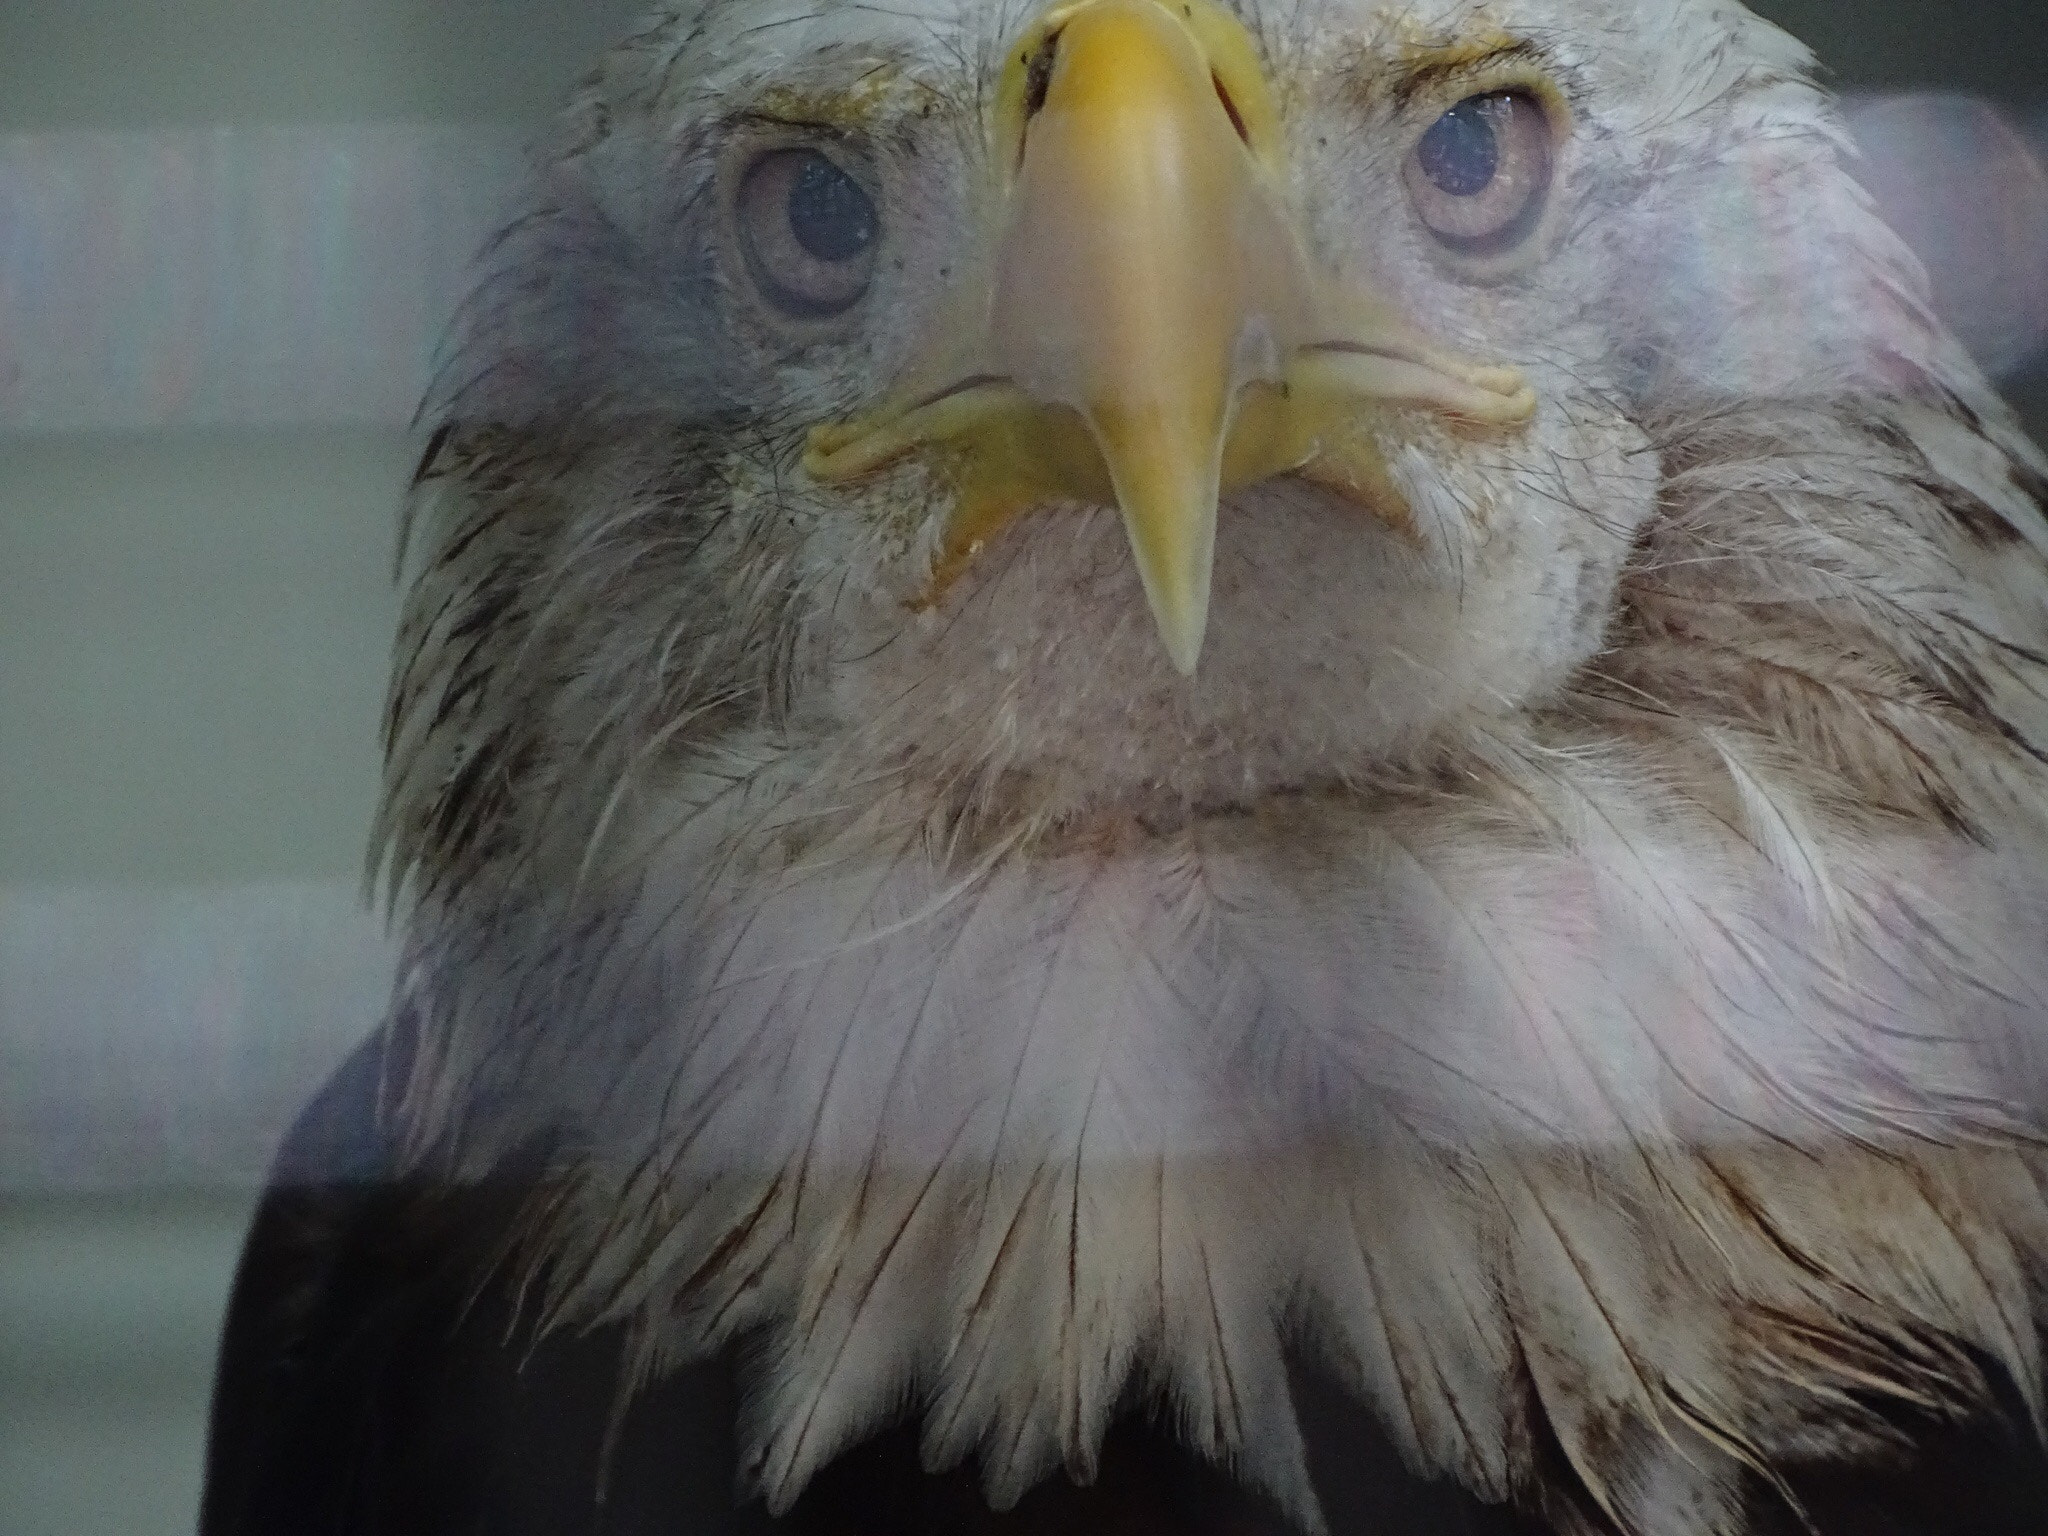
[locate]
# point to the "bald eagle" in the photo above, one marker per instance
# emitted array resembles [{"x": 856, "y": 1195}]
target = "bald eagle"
[{"x": 1165, "y": 766}]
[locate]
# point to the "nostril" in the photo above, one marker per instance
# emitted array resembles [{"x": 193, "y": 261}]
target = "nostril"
[
  {"x": 1037, "y": 83},
  {"x": 1038, "y": 75},
  {"x": 1230, "y": 106}
]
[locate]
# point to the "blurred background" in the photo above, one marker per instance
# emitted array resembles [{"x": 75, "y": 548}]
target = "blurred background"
[{"x": 230, "y": 234}]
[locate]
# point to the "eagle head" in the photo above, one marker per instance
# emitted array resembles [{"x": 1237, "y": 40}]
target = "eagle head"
[{"x": 1095, "y": 693}]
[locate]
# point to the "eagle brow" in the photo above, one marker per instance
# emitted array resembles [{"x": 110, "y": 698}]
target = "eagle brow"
[
  {"x": 832, "y": 118},
  {"x": 1428, "y": 68},
  {"x": 856, "y": 92}
]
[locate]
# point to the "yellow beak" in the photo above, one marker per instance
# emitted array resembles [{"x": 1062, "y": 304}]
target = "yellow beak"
[
  {"x": 1149, "y": 332},
  {"x": 1143, "y": 267}
]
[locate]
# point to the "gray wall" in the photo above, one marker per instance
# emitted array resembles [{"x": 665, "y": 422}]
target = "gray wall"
[{"x": 194, "y": 622}]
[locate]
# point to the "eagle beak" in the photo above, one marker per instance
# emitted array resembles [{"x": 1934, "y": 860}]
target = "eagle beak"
[{"x": 1148, "y": 332}]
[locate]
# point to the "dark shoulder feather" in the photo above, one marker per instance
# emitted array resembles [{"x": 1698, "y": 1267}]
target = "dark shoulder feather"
[{"x": 375, "y": 1378}]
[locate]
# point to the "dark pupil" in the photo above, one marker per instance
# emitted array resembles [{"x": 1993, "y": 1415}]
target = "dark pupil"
[
  {"x": 1461, "y": 152},
  {"x": 830, "y": 216}
]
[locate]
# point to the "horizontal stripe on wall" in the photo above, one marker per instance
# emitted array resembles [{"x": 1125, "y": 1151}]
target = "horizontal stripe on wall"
[
  {"x": 168, "y": 1036},
  {"x": 269, "y": 275}
]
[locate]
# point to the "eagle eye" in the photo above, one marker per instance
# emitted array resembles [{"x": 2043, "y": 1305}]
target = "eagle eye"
[
  {"x": 809, "y": 231},
  {"x": 1479, "y": 176}
]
